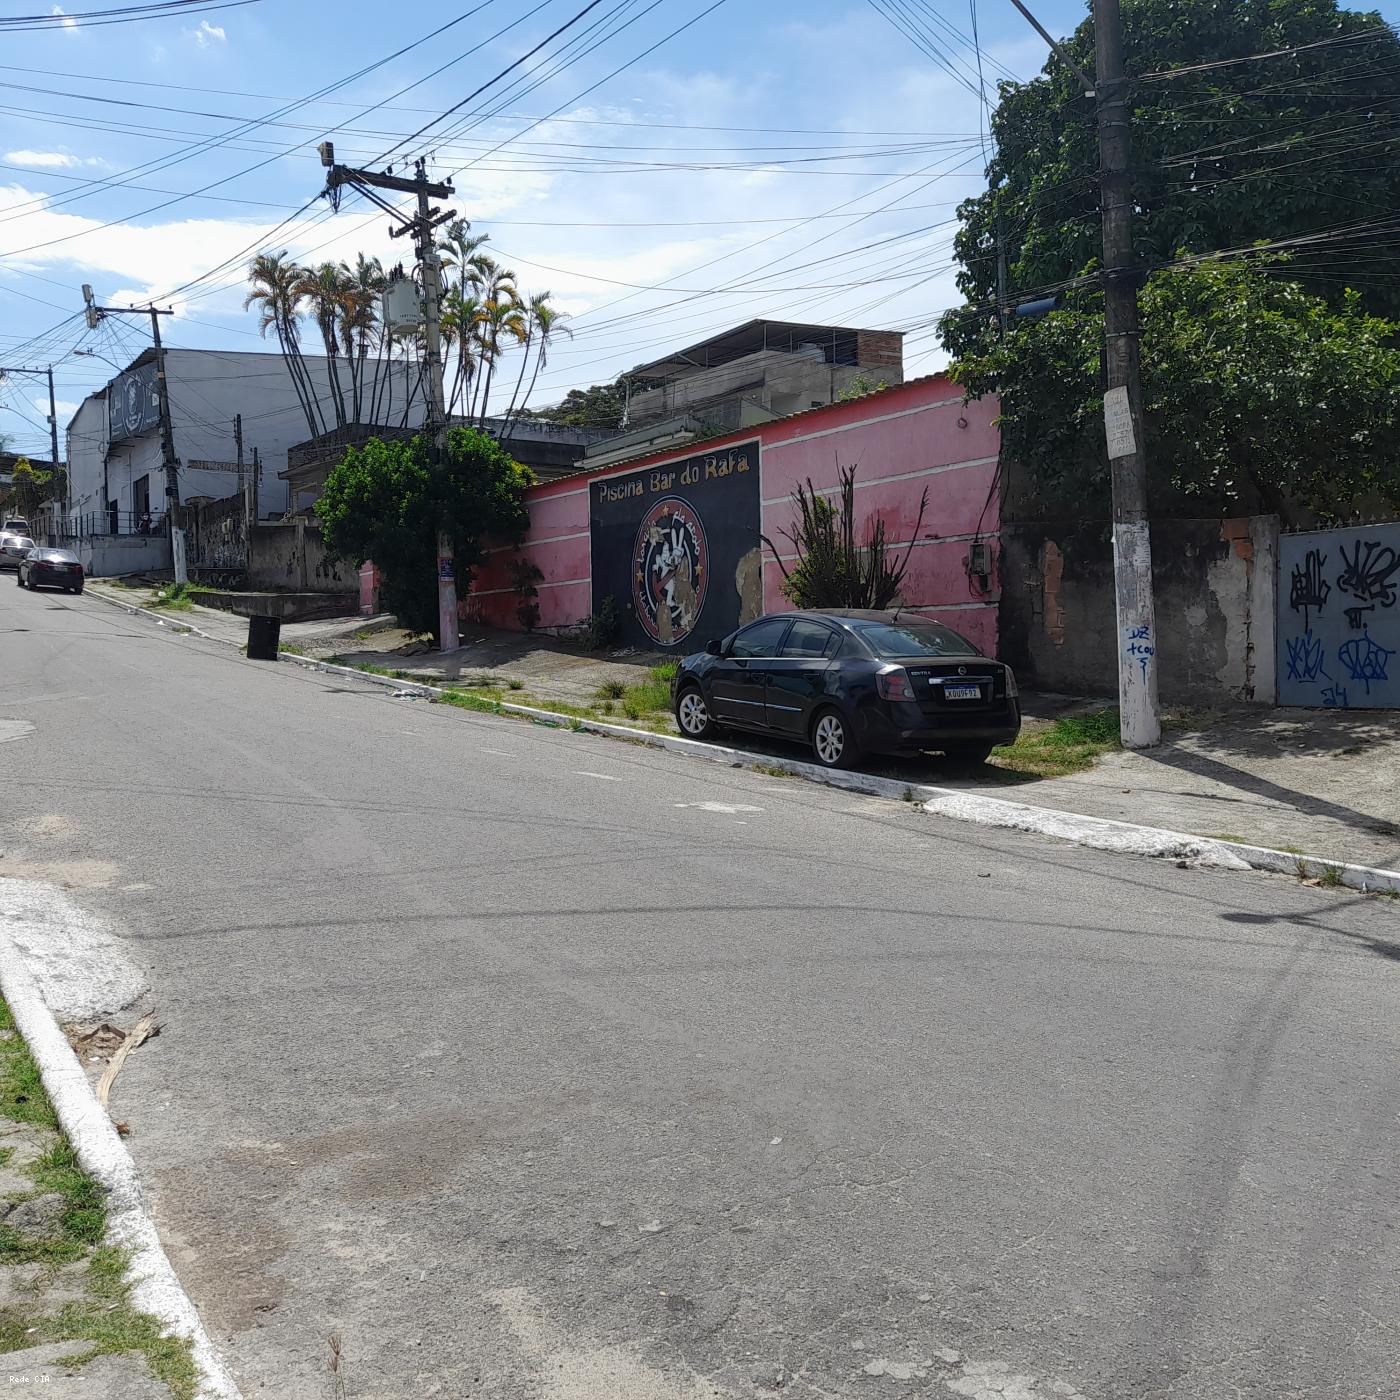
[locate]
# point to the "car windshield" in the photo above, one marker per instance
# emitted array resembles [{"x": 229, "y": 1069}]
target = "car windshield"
[
  {"x": 914, "y": 639},
  {"x": 57, "y": 556}
]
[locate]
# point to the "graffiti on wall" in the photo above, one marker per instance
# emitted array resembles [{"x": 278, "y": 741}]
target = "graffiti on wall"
[
  {"x": 1339, "y": 618},
  {"x": 676, "y": 547}
]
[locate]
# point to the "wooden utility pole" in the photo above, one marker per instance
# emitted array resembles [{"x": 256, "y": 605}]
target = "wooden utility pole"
[
  {"x": 421, "y": 225},
  {"x": 1140, "y": 724}
]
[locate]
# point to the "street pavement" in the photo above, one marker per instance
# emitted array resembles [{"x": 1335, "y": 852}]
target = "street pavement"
[{"x": 534, "y": 1064}]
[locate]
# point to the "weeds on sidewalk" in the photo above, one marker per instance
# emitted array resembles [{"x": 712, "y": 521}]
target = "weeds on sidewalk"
[
  {"x": 1068, "y": 745},
  {"x": 175, "y": 597},
  {"x": 52, "y": 1237}
]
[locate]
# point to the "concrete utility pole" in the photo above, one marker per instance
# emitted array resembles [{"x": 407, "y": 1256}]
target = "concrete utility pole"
[
  {"x": 169, "y": 460},
  {"x": 1140, "y": 724},
  {"x": 424, "y": 221},
  {"x": 1139, "y": 717},
  {"x": 53, "y": 427}
]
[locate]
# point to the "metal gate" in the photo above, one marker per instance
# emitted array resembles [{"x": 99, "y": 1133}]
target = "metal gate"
[{"x": 1339, "y": 618}]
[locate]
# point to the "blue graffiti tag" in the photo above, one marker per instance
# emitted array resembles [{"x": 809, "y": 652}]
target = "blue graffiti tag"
[
  {"x": 1365, "y": 660},
  {"x": 1335, "y": 697},
  {"x": 1140, "y": 647},
  {"x": 1305, "y": 658}
]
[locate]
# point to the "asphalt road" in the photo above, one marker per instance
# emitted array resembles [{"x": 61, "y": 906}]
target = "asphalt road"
[{"x": 539, "y": 1065}]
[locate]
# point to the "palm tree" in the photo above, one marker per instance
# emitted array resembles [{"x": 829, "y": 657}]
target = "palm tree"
[
  {"x": 543, "y": 323},
  {"x": 324, "y": 289},
  {"x": 461, "y": 326},
  {"x": 460, "y": 252},
  {"x": 275, "y": 290},
  {"x": 501, "y": 315},
  {"x": 359, "y": 322}
]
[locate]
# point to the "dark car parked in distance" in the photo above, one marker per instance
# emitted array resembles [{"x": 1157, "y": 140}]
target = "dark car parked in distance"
[
  {"x": 51, "y": 568},
  {"x": 850, "y": 682}
]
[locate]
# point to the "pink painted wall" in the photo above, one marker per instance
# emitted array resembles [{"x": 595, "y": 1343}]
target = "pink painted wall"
[{"x": 900, "y": 441}]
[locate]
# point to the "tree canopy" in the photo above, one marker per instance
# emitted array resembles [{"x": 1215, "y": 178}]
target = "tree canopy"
[
  {"x": 1258, "y": 395},
  {"x": 387, "y": 501},
  {"x": 1224, "y": 156},
  {"x": 1269, "y": 385},
  {"x": 599, "y": 406}
]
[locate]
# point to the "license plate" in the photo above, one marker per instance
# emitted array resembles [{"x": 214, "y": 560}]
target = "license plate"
[{"x": 962, "y": 692}]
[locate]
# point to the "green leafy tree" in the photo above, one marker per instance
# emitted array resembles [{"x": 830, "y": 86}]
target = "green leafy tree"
[
  {"x": 387, "y": 501},
  {"x": 1258, "y": 394},
  {"x": 1223, "y": 156},
  {"x": 599, "y": 406},
  {"x": 28, "y": 488}
]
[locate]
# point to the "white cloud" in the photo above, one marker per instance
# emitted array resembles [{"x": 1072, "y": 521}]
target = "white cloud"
[
  {"x": 50, "y": 160},
  {"x": 207, "y": 34},
  {"x": 68, "y": 21},
  {"x": 62, "y": 408}
]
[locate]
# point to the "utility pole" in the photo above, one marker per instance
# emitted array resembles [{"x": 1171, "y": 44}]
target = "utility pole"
[
  {"x": 246, "y": 497},
  {"x": 421, "y": 225},
  {"x": 169, "y": 460},
  {"x": 53, "y": 428},
  {"x": 1140, "y": 724},
  {"x": 1139, "y": 717}
]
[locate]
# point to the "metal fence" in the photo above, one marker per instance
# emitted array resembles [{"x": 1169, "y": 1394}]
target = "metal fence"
[{"x": 114, "y": 522}]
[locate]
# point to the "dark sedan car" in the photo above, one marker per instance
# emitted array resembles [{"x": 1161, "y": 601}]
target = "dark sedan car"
[
  {"x": 850, "y": 683},
  {"x": 51, "y": 568}
]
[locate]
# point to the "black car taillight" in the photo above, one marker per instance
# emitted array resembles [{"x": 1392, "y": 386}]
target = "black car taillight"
[{"x": 893, "y": 683}]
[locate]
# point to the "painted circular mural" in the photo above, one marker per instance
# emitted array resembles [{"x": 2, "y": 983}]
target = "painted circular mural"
[{"x": 670, "y": 570}]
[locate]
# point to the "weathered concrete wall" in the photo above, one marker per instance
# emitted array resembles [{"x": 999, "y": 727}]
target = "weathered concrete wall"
[
  {"x": 1214, "y": 582},
  {"x": 110, "y": 556},
  {"x": 292, "y": 557}
]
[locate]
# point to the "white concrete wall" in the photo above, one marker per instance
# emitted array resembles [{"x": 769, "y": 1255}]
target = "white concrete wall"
[
  {"x": 110, "y": 556},
  {"x": 208, "y": 388}
]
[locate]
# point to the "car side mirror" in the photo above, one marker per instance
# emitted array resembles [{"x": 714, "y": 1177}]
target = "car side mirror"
[{"x": 714, "y": 647}]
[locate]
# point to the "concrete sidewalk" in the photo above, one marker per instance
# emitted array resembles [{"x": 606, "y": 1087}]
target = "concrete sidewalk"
[
  {"x": 1324, "y": 782},
  {"x": 1320, "y": 782}
]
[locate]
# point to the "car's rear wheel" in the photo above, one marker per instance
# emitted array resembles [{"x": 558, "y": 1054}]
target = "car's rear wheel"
[
  {"x": 832, "y": 740},
  {"x": 693, "y": 714},
  {"x": 78, "y": 589}
]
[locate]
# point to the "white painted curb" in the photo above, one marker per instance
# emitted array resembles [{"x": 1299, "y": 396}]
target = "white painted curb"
[
  {"x": 155, "y": 1288},
  {"x": 1098, "y": 833}
]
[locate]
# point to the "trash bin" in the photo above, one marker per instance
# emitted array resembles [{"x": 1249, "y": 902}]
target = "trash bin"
[{"x": 263, "y": 635}]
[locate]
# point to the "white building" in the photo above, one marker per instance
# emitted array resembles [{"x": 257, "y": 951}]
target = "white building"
[{"x": 116, "y": 477}]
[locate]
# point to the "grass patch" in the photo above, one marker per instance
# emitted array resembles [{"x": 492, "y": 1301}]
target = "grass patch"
[
  {"x": 1228, "y": 836},
  {"x": 22, "y": 1095},
  {"x": 104, "y": 1322},
  {"x": 467, "y": 700},
  {"x": 611, "y": 690},
  {"x": 773, "y": 771},
  {"x": 1069, "y": 745},
  {"x": 1329, "y": 877},
  {"x": 516, "y": 685},
  {"x": 176, "y": 597},
  {"x": 105, "y": 1327},
  {"x": 291, "y": 649}
]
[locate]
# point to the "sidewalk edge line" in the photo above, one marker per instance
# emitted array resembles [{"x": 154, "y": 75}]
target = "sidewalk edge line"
[
  {"x": 156, "y": 1289},
  {"x": 1098, "y": 833}
]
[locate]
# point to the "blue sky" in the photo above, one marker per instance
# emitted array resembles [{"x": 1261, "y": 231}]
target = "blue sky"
[{"x": 744, "y": 167}]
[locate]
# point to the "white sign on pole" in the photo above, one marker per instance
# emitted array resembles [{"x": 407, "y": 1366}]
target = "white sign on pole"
[{"x": 1118, "y": 423}]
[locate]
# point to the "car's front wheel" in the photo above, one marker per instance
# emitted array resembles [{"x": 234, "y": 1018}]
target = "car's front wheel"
[
  {"x": 832, "y": 740},
  {"x": 693, "y": 714}
]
